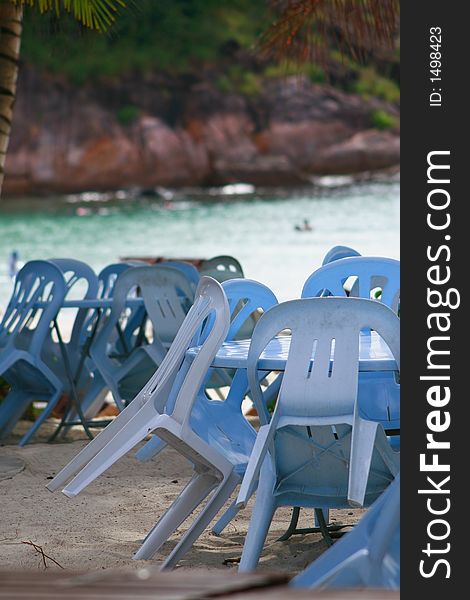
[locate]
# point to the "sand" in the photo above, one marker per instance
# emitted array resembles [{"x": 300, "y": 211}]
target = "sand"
[{"x": 103, "y": 526}]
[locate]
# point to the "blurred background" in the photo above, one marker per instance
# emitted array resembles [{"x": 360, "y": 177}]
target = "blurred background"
[{"x": 186, "y": 130}]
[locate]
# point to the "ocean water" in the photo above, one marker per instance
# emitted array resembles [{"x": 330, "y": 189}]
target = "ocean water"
[{"x": 256, "y": 226}]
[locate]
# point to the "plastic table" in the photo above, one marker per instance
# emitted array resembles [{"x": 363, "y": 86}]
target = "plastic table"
[{"x": 374, "y": 354}]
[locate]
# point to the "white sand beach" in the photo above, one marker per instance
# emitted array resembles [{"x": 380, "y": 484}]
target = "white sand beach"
[{"x": 103, "y": 526}]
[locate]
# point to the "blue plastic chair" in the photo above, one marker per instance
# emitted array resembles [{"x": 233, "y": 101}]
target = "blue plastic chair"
[
  {"x": 160, "y": 287},
  {"x": 82, "y": 284},
  {"x": 316, "y": 451},
  {"x": 245, "y": 297},
  {"x": 368, "y": 556},
  {"x": 127, "y": 339},
  {"x": 357, "y": 276},
  {"x": 93, "y": 400},
  {"x": 121, "y": 346},
  {"x": 186, "y": 268},
  {"x": 219, "y": 424},
  {"x": 215, "y": 476},
  {"x": 23, "y": 331},
  {"x": 222, "y": 268},
  {"x": 338, "y": 252},
  {"x": 248, "y": 299},
  {"x": 218, "y": 421},
  {"x": 379, "y": 393}
]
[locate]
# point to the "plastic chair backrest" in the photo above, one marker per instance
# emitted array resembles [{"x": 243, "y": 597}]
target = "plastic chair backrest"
[
  {"x": 76, "y": 273},
  {"x": 338, "y": 252},
  {"x": 245, "y": 297},
  {"x": 210, "y": 298},
  {"x": 158, "y": 288},
  {"x": 327, "y": 329},
  {"x": 38, "y": 281},
  {"x": 187, "y": 268},
  {"x": 222, "y": 268},
  {"x": 174, "y": 297},
  {"x": 107, "y": 278},
  {"x": 370, "y": 273}
]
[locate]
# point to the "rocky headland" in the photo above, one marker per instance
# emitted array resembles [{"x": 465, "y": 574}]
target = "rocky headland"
[{"x": 185, "y": 131}]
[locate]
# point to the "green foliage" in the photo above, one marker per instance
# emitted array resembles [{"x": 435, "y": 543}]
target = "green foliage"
[
  {"x": 381, "y": 119},
  {"x": 95, "y": 14},
  {"x": 237, "y": 79},
  {"x": 173, "y": 35},
  {"x": 285, "y": 69},
  {"x": 372, "y": 84},
  {"x": 126, "y": 115}
]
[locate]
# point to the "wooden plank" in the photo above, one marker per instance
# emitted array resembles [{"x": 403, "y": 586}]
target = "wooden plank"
[
  {"x": 151, "y": 584},
  {"x": 142, "y": 584},
  {"x": 283, "y": 593}
]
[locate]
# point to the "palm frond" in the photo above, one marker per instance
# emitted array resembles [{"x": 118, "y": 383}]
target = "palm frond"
[
  {"x": 303, "y": 28},
  {"x": 94, "y": 14}
]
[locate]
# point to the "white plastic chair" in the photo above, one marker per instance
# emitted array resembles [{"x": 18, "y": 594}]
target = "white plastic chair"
[
  {"x": 316, "y": 451},
  {"x": 212, "y": 471},
  {"x": 222, "y": 424}
]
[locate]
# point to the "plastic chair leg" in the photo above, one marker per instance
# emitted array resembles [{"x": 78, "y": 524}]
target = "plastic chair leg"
[
  {"x": 225, "y": 519},
  {"x": 93, "y": 447},
  {"x": 90, "y": 407},
  {"x": 255, "y": 464},
  {"x": 219, "y": 498},
  {"x": 11, "y": 410},
  {"x": 326, "y": 516},
  {"x": 390, "y": 455},
  {"x": 42, "y": 417},
  {"x": 198, "y": 488},
  {"x": 362, "y": 448},
  {"x": 263, "y": 511},
  {"x": 126, "y": 438}
]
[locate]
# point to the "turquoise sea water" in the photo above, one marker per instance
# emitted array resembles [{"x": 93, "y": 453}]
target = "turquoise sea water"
[{"x": 255, "y": 226}]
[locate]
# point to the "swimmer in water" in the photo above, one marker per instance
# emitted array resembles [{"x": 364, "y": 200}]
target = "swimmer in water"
[{"x": 305, "y": 227}]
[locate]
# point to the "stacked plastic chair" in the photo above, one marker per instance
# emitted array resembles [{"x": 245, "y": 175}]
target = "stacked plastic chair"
[
  {"x": 216, "y": 429},
  {"x": 82, "y": 284},
  {"x": 379, "y": 393},
  {"x": 38, "y": 293},
  {"x": 316, "y": 450},
  {"x": 215, "y": 421},
  {"x": 93, "y": 395},
  {"x": 159, "y": 287}
]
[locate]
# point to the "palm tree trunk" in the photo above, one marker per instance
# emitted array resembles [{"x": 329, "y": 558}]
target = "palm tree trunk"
[{"x": 11, "y": 25}]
